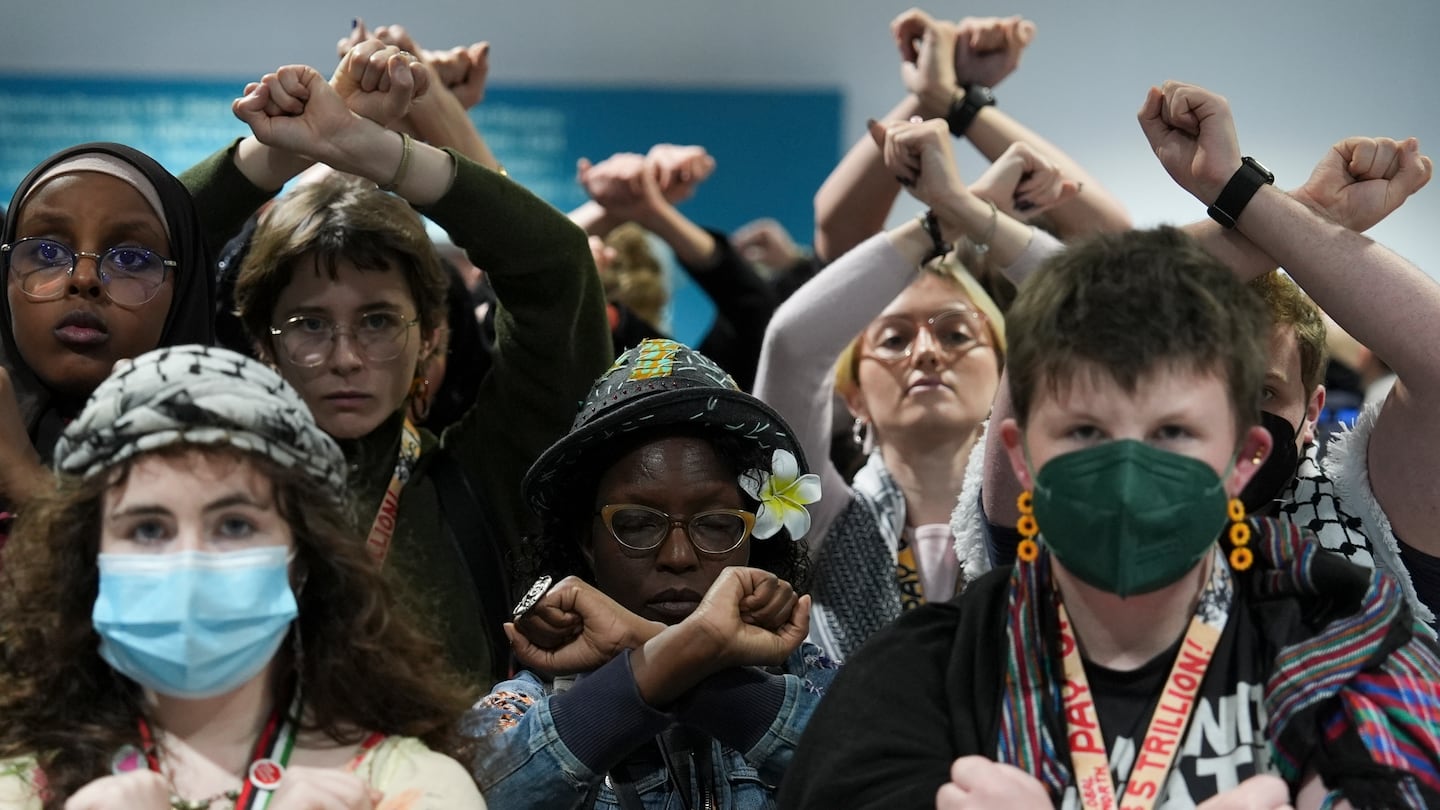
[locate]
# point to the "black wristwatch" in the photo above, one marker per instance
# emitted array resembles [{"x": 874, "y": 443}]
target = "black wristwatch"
[
  {"x": 1242, "y": 186},
  {"x": 964, "y": 108}
]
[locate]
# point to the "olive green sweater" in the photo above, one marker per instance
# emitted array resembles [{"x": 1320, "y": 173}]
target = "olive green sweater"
[{"x": 551, "y": 340}]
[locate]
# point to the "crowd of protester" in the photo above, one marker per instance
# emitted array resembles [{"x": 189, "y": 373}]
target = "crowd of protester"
[{"x": 1010, "y": 505}]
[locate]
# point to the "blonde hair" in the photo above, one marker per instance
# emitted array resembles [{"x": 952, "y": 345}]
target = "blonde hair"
[
  {"x": 950, "y": 269},
  {"x": 636, "y": 278}
]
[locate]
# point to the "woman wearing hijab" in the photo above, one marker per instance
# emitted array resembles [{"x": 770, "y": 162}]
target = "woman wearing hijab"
[{"x": 102, "y": 258}]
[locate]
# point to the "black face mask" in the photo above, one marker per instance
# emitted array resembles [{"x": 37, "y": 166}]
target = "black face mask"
[{"x": 1274, "y": 475}]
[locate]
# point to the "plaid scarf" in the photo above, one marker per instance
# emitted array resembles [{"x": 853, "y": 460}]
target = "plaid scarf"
[{"x": 1358, "y": 702}]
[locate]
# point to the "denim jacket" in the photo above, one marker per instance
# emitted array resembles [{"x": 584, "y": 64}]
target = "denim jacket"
[{"x": 543, "y": 748}]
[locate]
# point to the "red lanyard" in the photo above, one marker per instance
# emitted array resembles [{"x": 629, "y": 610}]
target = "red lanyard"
[
  {"x": 1155, "y": 755},
  {"x": 383, "y": 528},
  {"x": 267, "y": 761}
]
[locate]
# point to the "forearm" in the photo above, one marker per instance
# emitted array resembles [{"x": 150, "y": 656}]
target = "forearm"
[
  {"x": 266, "y": 167},
  {"x": 606, "y": 714},
  {"x": 1398, "y": 314},
  {"x": 1231, "y": 248},
  {"x": 672, "y": 663},
  {"x": 551, "y": 340},
  {"x": 594, "y": 220},
  {"x": 693, "y": 245},
  {"x": 225, "y": 196},
  {"x": 744, "y": 299},
  {"x": 964, "y": 215},
  {"x": 1093, "y": 210},
  {"x": 805, "y": 337},
  {"x": 440, "y": 120},
  {"x": 736, "y": 706},
  {"x": 854, "y": 201}
]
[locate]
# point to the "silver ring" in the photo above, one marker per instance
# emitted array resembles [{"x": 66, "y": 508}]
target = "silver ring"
[{"x": 531, "y": 598}]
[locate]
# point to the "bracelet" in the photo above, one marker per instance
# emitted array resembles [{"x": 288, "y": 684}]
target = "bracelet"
[
  {"x": 406, "y": 147},
  {"x": 982, "y": 246},
  {"x": 931, "y": 224}
]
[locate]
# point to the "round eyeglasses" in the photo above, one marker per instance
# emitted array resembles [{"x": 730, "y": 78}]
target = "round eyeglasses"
[
  {"x": 954, "y": 333},
  {"x": 130, "y": 276},
  {"x": 640, "y": 528},
  {"x": 309, "y": 339}
]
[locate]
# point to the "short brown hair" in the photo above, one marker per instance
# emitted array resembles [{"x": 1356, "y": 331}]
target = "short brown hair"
[
  {"x": 338, "y": 217},
  {"x": 1290, "y": 306},
  {"x": 1128, "y": 304}
]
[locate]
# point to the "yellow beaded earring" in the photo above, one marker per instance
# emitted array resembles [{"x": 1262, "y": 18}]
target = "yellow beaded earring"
[
  {"x": 1241, "y": 557},
  {"x": 1028, "y": 549}
]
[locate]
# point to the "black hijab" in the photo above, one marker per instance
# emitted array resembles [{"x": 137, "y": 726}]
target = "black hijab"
[{"x": 188, "y": 321}]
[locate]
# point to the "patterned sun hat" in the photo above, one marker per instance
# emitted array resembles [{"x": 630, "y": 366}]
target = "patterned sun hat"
[
  {"x": 657, "y": 384},
  {"x": 198, "y": 395}
]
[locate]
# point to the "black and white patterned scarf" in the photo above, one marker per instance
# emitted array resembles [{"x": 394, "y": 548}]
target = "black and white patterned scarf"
[{"x": 198, "y": 395}]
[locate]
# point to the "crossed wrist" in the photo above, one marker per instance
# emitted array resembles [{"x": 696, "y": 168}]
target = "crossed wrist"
[
  {"x": 935, "y": 100},
  {"x": 964, "y": 216}
]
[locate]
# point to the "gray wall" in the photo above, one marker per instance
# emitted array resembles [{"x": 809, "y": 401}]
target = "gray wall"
[{"x": 1300, "y": 74}]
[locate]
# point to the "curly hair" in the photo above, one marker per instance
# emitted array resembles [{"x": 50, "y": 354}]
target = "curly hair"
[
  {"x": 63, "y": 704},
  {"x": 555, "y": 550}
]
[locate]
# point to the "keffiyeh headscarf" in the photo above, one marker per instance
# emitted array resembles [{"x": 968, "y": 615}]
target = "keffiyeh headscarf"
[{"x": 198, "y": 395}]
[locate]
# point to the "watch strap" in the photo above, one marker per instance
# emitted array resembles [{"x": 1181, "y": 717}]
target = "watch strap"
[
  {"x": 965, "y": 106},
  {"x": 1243, "y": 185}
]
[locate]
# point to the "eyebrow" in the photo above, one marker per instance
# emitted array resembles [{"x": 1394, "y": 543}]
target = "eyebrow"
[
  {"x": 118, "y": 228},
  {"x": 146, "y": 509},
  {"x": 317, "y": 309}
]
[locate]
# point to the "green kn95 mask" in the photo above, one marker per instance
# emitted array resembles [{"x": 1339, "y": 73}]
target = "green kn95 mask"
[{"x": 1127, "y": 518}]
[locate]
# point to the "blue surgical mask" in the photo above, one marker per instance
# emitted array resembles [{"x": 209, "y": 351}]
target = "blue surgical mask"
[{"x": 193, "y": 624}]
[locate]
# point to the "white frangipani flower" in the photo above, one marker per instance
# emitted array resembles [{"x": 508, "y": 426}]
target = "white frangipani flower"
[{"x": 782, "y": 494}]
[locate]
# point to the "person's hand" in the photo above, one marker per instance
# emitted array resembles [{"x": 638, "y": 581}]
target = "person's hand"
[
  {"x": 380, "y": 81},
  {"x": 679, "y": 169},
  {"x": 21, "y": 470},
  {"x": 136, "y": 790},
  {"x": 765, "y": 241},
  {"x": 296, "y": 109},
  {"x": 927, "y": 59},
  {"x": 1024, "y": 183},
  {"x": 1360, "y": 181},
  {"x": 751, "y": 617},
  {"x": 1192, "y": 132},
  {"x": 305, "y": 788},
  {"x": 1262, "y": 792},
  {"x": 977, "y": 783},
  {"x": 920, "y": 156},
  {"x": 987, "y": 49},
  {"x": 576, "y": 628},
  {"x": 462, "y": 70},
  {"x": 626, "y": 185}
]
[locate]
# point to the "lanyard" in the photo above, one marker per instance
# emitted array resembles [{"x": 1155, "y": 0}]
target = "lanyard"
[
  {"x": 1155, "y": 755},
  {"x": 267, "y": 761},
  {"x": 907, "y": 577},
  {"x": 383, "y": 529}
]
